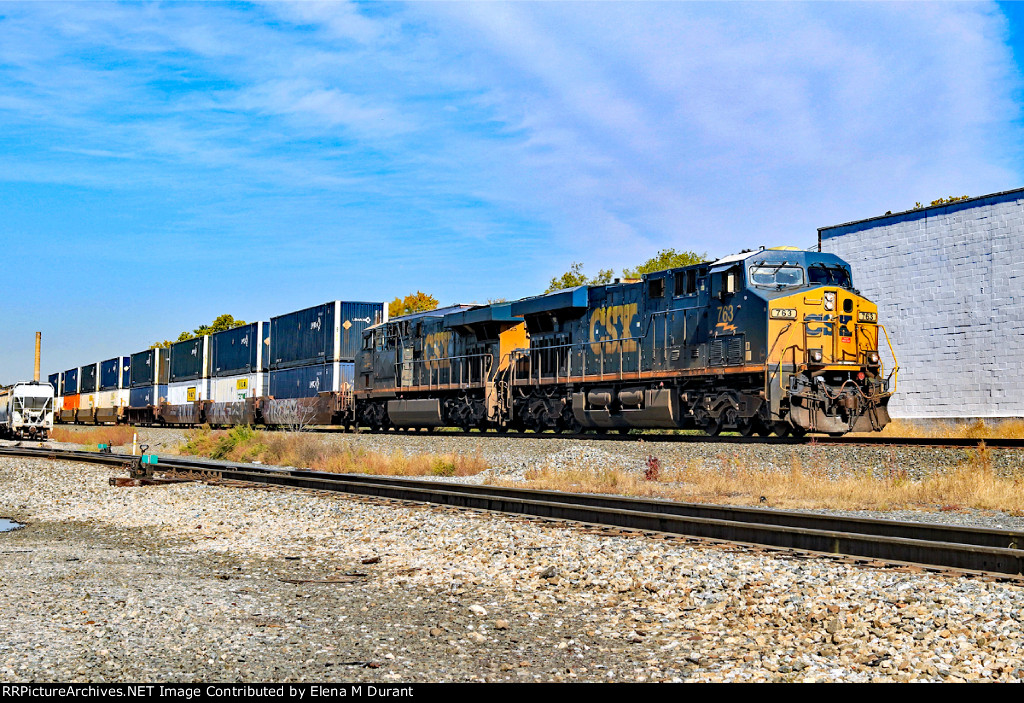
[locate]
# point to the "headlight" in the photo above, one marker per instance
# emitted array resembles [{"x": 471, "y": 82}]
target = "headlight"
[
  {"x": 815, "y": 355},
  {"x": 867, "y": 317},
  {"x": 872, "y": 357},
  {"x": 830, "y": 300},
  {"x": 784, "y": 314}
]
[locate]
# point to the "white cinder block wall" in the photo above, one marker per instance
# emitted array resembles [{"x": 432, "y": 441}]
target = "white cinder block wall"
[{"x": 949, "y": 283}]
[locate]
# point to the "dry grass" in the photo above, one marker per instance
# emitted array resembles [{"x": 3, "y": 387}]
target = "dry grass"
[
  {"x": 737, "y": 480},
  {"x": 972, "y": 484},
  {"x": 1010, "y": 428},
  {"x": 114, "y": 435},
  {"x": 309, "y": 451}
]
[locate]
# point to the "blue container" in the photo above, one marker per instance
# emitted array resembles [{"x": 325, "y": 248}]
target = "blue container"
[
  {"x": 308, "y": 381},
  {"x": 143, "y": 397},
  {"x": 321, "y": 334},
  {"x": 148, "y": 367},
  {"x": 110, "y": 374},
  {"x": 71, "y": 382},
  {"x": 126, "y": 372},
  {"x": 189, "y": 359},
  {"x": 88, "y": 379},
  {"x": 241, "y": 350},
  {"x": 54, "y": 379}
]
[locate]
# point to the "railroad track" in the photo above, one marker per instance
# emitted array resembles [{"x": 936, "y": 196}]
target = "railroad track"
[
  {"x": 997, "y": 552},
  {"x": 864, "y": 441}
]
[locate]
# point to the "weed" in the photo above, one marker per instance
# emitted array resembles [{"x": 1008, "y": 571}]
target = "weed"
[
  {"x": 310, "y": 451},
  {"x": 653, "y": 469},
  {"x": 442, "y": 467}
]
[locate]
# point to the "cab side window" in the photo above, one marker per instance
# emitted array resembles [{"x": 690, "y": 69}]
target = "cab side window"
[{"x": 686, "y": 282}]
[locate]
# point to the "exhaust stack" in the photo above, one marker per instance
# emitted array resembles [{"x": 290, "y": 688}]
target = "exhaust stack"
[{"x": 39, "y": 343}]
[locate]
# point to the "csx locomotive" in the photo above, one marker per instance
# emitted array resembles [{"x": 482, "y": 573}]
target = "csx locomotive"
[
  {"x": 775, "y": 340},
  {"x": 771, "y": 340}
]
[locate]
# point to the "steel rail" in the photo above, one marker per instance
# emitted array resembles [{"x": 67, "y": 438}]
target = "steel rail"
[
  {"x": 810, "y": 440},
  {"x": 946, "y": 546}
]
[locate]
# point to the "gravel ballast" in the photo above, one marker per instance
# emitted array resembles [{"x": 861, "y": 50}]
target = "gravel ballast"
[{"x": 196, "y": 582}]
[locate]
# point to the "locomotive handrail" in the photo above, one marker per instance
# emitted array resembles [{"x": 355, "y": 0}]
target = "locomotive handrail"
[
  {"x": 895, "y": 364},
  {"x": 528, "y": 354},
  {"x": 778, "y": 366},
  {"x": 486, "y": 362}
]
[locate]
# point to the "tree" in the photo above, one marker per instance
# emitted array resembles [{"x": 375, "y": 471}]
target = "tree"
[
  {"x": 219, "y": 324},
  {"x": 414, "y": 302},
  {"x": 575, "y": 277},
  {"x": 665, "y": 259},
  {"x": 941, "y": 201}
]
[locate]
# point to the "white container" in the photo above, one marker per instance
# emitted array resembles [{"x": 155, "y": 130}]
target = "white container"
[
  {"x": 230, "y": 389},
  {"x": 86, "y": 401},
  {"x": 112, "y": 399},
  {"x": 186, "y": 392}
]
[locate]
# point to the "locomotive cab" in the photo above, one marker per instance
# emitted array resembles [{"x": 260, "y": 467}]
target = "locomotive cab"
[{"x": 823, "y": 368}]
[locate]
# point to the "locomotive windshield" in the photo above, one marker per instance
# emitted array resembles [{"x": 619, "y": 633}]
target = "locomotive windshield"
[
  {"x": 777, "y": 276},
  {"x": 829, "y": 275}
]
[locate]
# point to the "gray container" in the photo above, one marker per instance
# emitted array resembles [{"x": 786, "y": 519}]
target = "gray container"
[
  {"x": 321, "y": 334},
  {"x": 189, "y": 359},
  {"x": 308, "y": 381},
  {"x": 88, "y": 379},
  {"x": 239, "y": 351},
  {"x": 148, "y": 367}
]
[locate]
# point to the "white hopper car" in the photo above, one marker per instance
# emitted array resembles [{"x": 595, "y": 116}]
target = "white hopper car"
[{"x": 26, "y": 410}]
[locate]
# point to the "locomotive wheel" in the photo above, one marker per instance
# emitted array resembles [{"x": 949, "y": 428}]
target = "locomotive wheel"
[
  {"x": 782, "y": 429},
  {"x": 713, "y": 426},
  {"x": 574, "y": 427},
  {"x": 763, "y": 429},
  {"x": 799, "y": 431},
  {"x": 747, "y": 426}
]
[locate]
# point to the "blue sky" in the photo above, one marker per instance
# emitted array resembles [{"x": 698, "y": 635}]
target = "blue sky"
[{"x": 161, "y": 164}]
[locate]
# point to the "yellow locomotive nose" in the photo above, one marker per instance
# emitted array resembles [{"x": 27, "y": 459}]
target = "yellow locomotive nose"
[{"x": 825, "y": 327}]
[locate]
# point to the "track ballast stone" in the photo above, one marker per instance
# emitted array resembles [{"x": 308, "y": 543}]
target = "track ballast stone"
[{"x": 196, "y": 582}]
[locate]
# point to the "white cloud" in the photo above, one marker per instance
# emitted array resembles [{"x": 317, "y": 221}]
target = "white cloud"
[
  {"x": 714, "y": 124},
  {"x": 620, "y": 128}
]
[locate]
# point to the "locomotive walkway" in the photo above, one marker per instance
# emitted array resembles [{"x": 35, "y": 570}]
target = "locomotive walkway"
[{"x": 997, "y": 552}]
